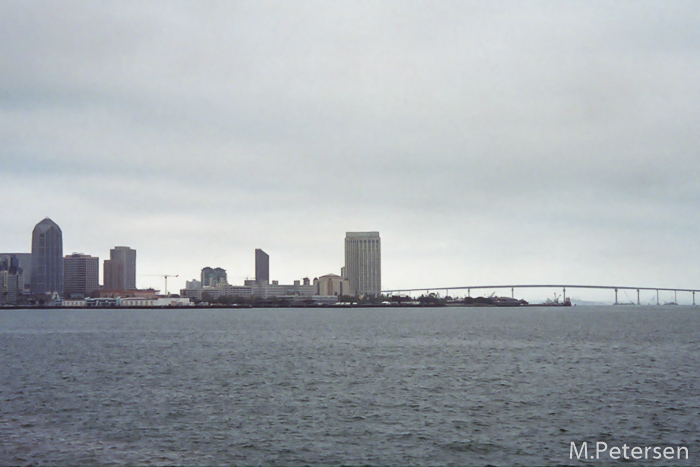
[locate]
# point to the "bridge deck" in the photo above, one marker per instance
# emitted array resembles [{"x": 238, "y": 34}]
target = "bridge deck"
[{"x": 542, "y": 286}]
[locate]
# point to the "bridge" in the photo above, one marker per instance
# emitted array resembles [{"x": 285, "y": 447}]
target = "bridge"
[{"x": 563, "y": 287}]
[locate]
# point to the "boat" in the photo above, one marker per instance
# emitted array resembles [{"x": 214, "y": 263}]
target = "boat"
[{"x": 555, "y": 302}]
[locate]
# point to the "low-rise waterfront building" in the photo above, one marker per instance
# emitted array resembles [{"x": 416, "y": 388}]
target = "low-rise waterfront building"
[
  {"x": 150, "y": 302},
  {"x": 249, "y": 290},
  {"x": 227, "y": 290},
  {"x": 275, "y": 289},
  {"x": 331, "y": 284},
  {"x": 135, "y": 302},
  {"x": 146, "y": 293}
]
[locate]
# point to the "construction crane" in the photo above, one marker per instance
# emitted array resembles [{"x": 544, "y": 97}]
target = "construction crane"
[{"x": 165, "y": 276}]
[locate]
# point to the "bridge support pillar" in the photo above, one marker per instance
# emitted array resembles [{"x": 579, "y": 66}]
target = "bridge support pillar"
[
  {"x": 657, "y": 297},
  {"x": 693, "y": 298},
  {"x": 564, "y": 295},
  {"x": 512, "y": 292},
  {"x": 616, "y": 297},
  {"x": 469, "y": 293},
  {"x": 638, "y": 297}
]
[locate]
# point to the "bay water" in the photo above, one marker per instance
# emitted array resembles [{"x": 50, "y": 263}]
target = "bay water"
[{"x": 338, "y": 386}]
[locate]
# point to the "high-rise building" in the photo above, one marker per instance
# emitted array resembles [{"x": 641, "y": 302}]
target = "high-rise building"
[
  {"x": 81, "y": 275},
  {"x": 127, "y": 257},
  {"x": 24, "y": 268},
  {"x": 211, "y": 277},
  {"x": 363, "y": 263},
  {"x": 9, "y": 288},
  {"x": 113, "y": 272},
  {"x": 47, "y": 258},
  {"x": 10, "y": 274},
  {"x": 10, "y": 262},
  {"x": 262, "y": 267}
]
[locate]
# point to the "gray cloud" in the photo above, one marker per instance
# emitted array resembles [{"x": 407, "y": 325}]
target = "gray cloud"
[{"x": 488, "y": 142}]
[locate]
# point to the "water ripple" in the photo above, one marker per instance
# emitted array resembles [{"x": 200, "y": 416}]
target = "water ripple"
[{"x": 297, "y": 387}]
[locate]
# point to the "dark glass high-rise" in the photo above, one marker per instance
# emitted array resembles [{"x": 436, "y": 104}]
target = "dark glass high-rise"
[{"x": 47, "y": 258}]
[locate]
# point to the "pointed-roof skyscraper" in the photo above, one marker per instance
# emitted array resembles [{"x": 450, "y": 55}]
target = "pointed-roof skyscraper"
[{"x": 47, "y": 258}]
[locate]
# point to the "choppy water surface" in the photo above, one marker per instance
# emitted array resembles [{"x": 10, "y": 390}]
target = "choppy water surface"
[{"x": 459, "y": 386}]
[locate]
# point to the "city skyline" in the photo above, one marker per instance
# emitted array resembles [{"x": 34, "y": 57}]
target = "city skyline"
[
  {"x": 77, "y": 275},
  {"x": 361, "y": 271},
  {"x": 543, "y": 142}
]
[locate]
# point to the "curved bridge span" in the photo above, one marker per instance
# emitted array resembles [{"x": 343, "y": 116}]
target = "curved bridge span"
[{"x": 563, "y": 287}]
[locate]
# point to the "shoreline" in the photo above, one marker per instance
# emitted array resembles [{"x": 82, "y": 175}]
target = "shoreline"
[{"x": 297, "y": 306}]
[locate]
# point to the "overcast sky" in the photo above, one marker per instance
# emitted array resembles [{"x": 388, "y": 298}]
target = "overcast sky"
[{"x": 488, "y": 142}]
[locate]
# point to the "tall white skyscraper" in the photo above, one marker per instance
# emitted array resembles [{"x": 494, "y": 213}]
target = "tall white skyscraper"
[{"x": 363, "y": 262}]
